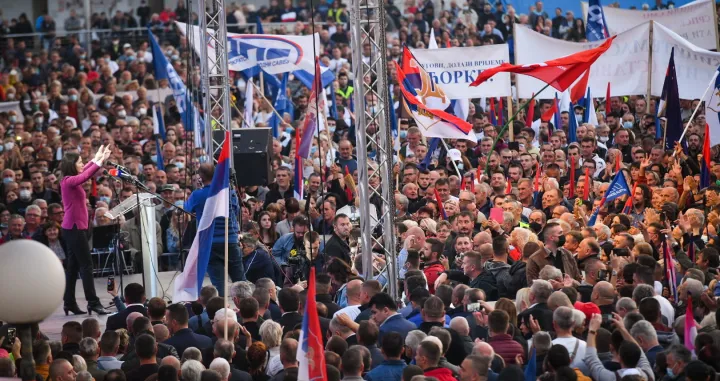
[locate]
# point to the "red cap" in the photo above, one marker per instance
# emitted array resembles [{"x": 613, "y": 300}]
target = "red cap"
[{"x": 587, "y": 308}]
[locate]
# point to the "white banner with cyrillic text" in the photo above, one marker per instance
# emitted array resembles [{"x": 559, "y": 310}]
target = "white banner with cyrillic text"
[
  {"x": 455, "y": 68},
  {"x": 695, "y": 22},
  {"x": 624, "y": 65}
]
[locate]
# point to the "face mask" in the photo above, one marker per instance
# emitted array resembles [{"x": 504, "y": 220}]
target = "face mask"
[
  {"x": 105, "y": 199},
  {"x": 603, "y": 139},
  {"x": 25, "y": 194},
  {"x": 154, "y": 158},
  {"x": 39, "y": 120},
  {"x": 627, "y": 125},
  {"x": 561, "y": 241},
  {"x": 180, "y": 165},
  {"x": 535, "y": 227},
  {"x": 11, "y": 96},
  {"x": 82, "y": 56},
  {"x": 373, "y": 110},
  {"x": 73, "y": 98},
  {"x": 670, "y": 372},
  {"x": 403, "y": 134},
  {"x": 122, "y": 114},
  {"x": 13, "y": 118},
  {"x": 180, "y": 204},
  {"x": 175, "y": 58},
  {"x": 289, "y": 130},
  {"x": 331, "y": 129},
  {"x": 460, "y": 166},
  {"x": 108, "y": 104},
  {"x": 142, "y": 111},
  {"x": 9, "y": 146},
  {"x": 313, "y": 149},
  {"x": 82, "y": 67}
]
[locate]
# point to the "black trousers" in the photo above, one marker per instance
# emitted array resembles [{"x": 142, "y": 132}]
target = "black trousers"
[{"x": 78, "y": 260}]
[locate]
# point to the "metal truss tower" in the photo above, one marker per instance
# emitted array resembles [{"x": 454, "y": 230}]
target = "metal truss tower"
[
  {"x": 373, "y": 135},
  {"x": 214, "y": 74}
]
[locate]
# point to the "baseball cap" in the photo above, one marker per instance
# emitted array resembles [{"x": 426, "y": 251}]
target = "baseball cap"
[{"x": 454, "y": 155}]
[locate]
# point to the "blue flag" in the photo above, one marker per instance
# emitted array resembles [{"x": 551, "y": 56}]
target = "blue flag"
[
  {"x": 280, "y": 102},
  {"x": 531, "y": 368},
  {"x": 596, "y": 28},
  {"x": 572, "y": 125},
  {"x": 158, "y": 151},
  {"x": 431, "y": 149},
  {"x": 165, "y": 70},
  {"x": 258, "y": 25},
  {"x": 671, "y": 97},
  {"x": 393, "y": 117},
  {"x": 658, "y": 130},
  {"x": 618, "y": 188},
  {"x": 586, "y": 112},
  {"x": 333, "y": 103}
]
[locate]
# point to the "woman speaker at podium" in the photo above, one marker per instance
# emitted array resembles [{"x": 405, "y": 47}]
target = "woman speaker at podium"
[{"x": 75, "y": 229}]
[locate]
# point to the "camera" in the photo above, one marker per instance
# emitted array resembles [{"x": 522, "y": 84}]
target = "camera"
[
  {"x": 111, "y": 283},
  {"x": 474, "y": 307},
  {"x": 12, "y": 334}
]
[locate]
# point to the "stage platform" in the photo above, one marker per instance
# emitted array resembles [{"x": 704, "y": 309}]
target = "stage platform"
[{"x": 52, "y": 326}]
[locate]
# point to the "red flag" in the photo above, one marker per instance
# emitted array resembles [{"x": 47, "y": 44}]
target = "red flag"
[
  {"x": 559, "y": 73},
  {"x": 493, "y": 116},
  {"x": 578, "y": 91},
  {"x": 629, "y": 202},
  {"x": 448, "y": 44},
  {"x": 607, "y": 100},
  {"x": 349, "y": 184},
  {"x": 530, "y": 113},
  {"x": 547, "y": 115},
  {"x": 508, "y": 187},
  {"x": 462, "y": 184},
  {"x": 571, "y": 192},
  {"x": 472, "y": 182},
  {"x": 586, "y": 185},
  {"x": 537, "y": 177},
  {"x": 618, "y": 161},
  {"x": 93, "y": 189}
]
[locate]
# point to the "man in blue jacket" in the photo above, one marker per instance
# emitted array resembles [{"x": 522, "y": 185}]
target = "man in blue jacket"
[
  {"x": 291, "y": 241},
  {"x": 216, "y": 265},
  {"x": 385, "y": 315},
  {"x": 392, "y": 368}
]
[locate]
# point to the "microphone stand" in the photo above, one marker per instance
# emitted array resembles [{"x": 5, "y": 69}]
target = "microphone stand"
[{"x": 116, "y": 246}]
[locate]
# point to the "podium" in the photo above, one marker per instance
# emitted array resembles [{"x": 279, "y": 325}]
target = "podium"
[{"x": 143, "y": 202}]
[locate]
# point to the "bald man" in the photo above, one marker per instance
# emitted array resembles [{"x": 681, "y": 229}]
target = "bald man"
[
  {"x": 484, "y": 349},
  {"x": 413, "y": 239},
  {"x": 603, "y": 296},
  {"x": 353, "y": 290}
]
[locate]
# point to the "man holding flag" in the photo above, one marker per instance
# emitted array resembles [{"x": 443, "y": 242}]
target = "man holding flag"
[{"x": 214, "y": 205}]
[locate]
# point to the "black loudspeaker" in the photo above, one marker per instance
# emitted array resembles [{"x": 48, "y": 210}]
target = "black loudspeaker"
[{"x": 251, "y": 155}]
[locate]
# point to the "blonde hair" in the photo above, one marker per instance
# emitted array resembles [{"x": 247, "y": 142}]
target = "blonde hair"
[{"x": 522, "y": 296}]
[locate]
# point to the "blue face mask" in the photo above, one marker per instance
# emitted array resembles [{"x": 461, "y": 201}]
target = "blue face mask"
[
  {"x": 627, "y": 125},
  {"x": 403, "y": 134},
  {"x": 313, "y": 149},
  {"x": 154, "y": 158},
  {"x": 180, "y": 204},
  {"x": 7, "y": 180},
  {"x": 105, "y": 199},
  {"x": 670, "y": 372}
]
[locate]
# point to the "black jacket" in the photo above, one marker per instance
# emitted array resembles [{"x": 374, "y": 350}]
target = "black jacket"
[
  {"x": 540, "y": 312},
  {"x": 131, "y": 361},
  {"x": 518, "y": 278},
  {"x": 118, "y": 320},
  {"x": 142, "y": 372},
  {"x": 289, "y": 321},
  {"x": 338, "y": 248},
  {"x": 327, "y": 300},
  {"x": 186, "y": 338}
]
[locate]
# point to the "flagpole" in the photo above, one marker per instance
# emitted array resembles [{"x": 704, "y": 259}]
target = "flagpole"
[
  {"x": 447, "y": 149},
  {"x": 268, "y": 101},
  {"x": 510, "y": 111},
  {"x": 510, "y": 120},
  {"x": 649, "y": 71},
  {"x": 712, "y": 82},
  {"x": 226, "y": 285}
]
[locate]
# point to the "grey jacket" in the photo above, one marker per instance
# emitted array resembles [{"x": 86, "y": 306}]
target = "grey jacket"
[{"x": 599, "y": 373}]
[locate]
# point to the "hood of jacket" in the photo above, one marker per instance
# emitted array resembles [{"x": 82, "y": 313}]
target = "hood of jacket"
[
  {"x": 517, "y": 267},
  {"x": 495, "y": 267}
]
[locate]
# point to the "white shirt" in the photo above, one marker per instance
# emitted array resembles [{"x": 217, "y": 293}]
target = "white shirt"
[
  {"x": 351, "y": 311},
  {"x": 666, "y": 309},
  {"x": 569, "y": 343}
]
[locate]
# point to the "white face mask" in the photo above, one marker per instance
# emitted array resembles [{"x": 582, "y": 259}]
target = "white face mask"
[
  {"x": 25, "y": 194},
  {"x": 122, "y": 114},
  {"x": 603, "y": 139},
  {"x": 142, "y": 111},
  {"x": 9, "y": 146},
  {"x": 39, "y": 120}
]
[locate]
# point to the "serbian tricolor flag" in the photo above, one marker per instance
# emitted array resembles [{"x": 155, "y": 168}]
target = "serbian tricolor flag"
[
  {"x": 298, "y": 180},
  {"x": 629, "y": 203},
  {"x": 440, "y": 205},
  {"x": 690, "y": 326},
  {"x": 216, "y": 210},
  {"x": 311, "y": 352},
  {"x": 586, "y": 185},
  {"x": 705, "y": 163},
  {"x": 669, "y": 265},
  {"x": 432, "y": 109},
  {"x": 311, "y": 116},
  {"x": 559, "y": 73}
]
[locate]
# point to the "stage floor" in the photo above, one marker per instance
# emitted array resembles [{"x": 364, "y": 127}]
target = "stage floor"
[{"x": 52, "y": 326}]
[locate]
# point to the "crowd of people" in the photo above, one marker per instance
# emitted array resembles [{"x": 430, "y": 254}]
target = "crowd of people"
[{"x": 499, "y": 266}]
